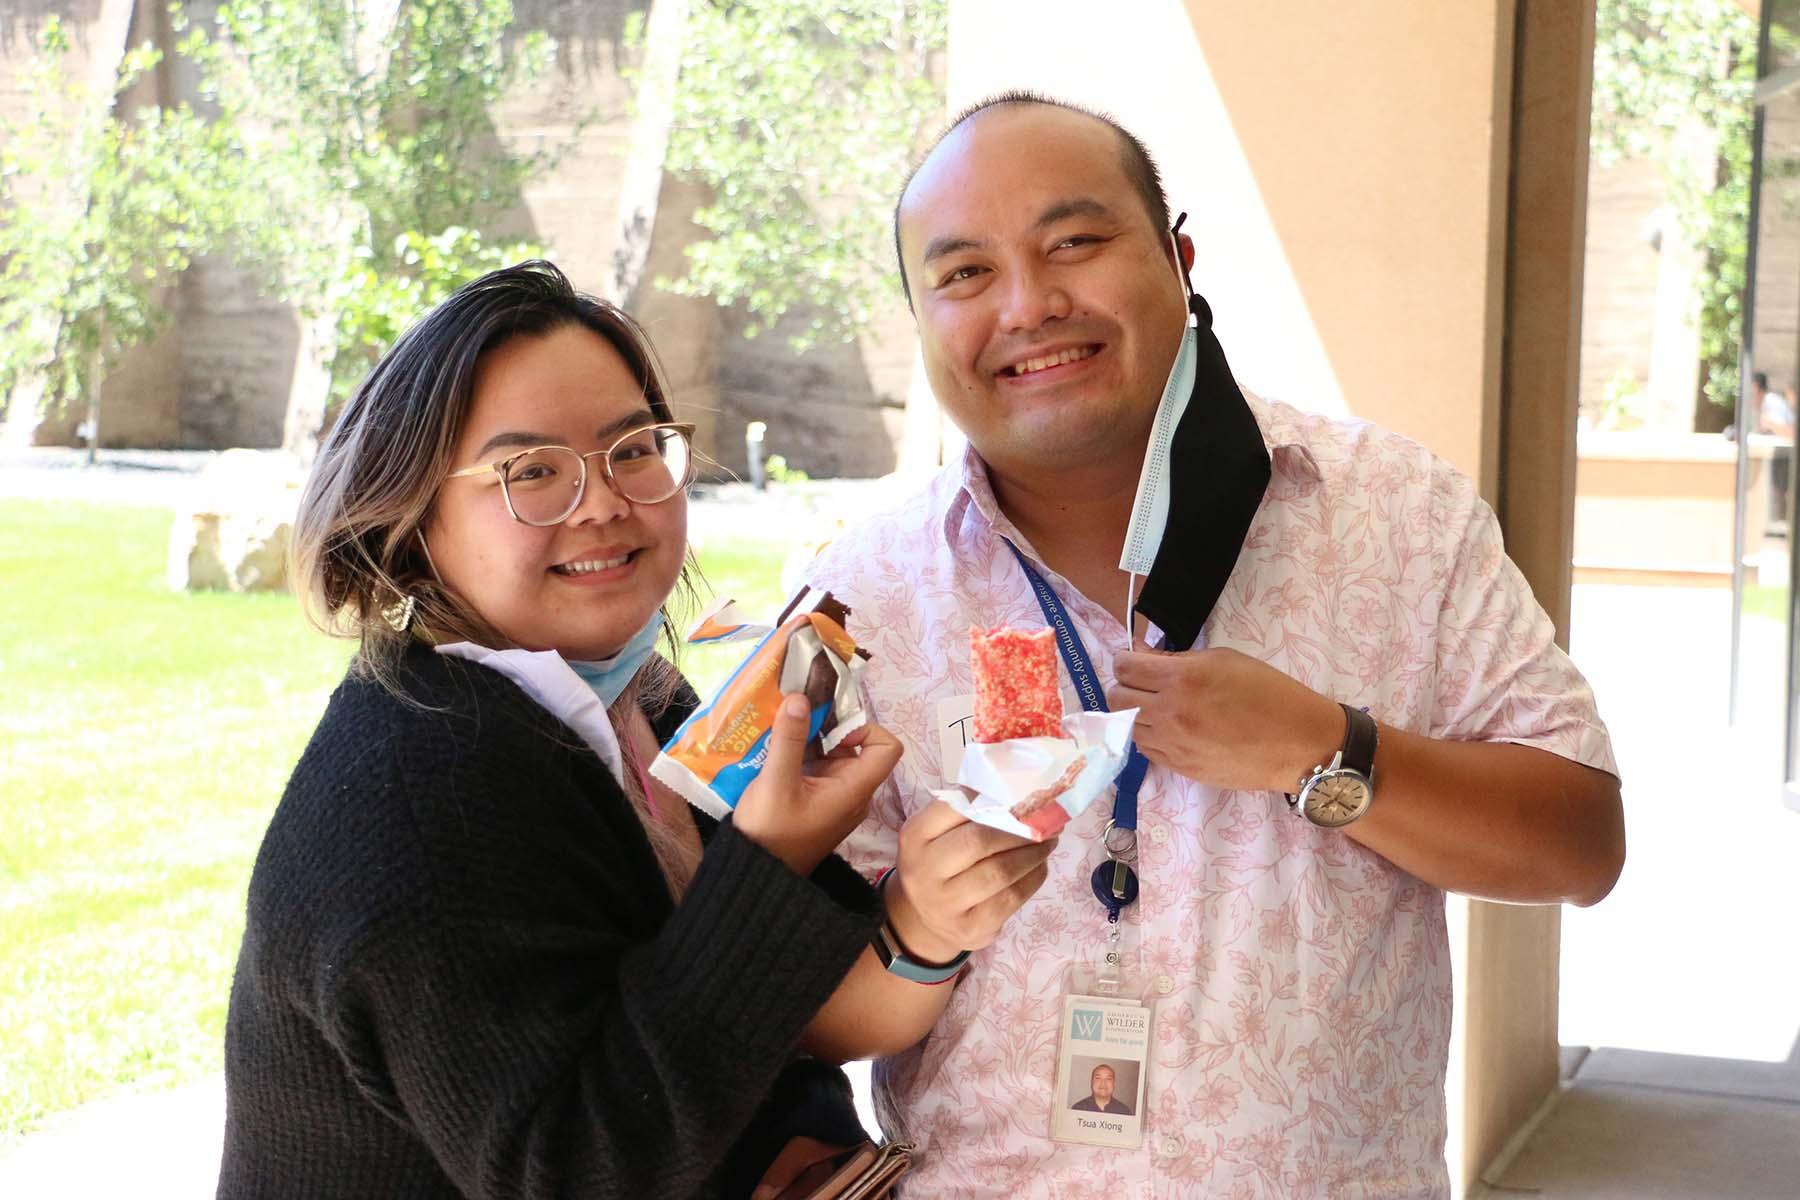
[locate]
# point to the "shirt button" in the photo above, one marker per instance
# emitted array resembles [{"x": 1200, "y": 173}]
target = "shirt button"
[
  {"x": 1164, "y": 985},
  {"x": 1159, "y": 834},
  {"x": 1171, "y": 1147}
]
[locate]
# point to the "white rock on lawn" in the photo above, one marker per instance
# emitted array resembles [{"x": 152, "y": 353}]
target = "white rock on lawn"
[{"x": 233, "y": 534}]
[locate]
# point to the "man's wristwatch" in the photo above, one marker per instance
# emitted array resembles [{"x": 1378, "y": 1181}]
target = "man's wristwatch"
[
  {"x": 1336, "y": 794},
  {"x": 898, "y": 961}
]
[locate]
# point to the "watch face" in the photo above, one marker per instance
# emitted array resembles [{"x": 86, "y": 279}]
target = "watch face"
[{"x": 1337, "y": 798}]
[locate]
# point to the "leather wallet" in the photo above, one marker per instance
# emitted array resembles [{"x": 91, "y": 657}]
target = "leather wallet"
[{"x": 865, "y": 1172}]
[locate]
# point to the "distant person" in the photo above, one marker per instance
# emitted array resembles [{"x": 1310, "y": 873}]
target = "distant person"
[
  {"x": 484, "y": 954},
  {"x": 1774, "y": 410},
  {"x": 1775, "y": 413},
  {"x": 1100, "y": 1097}
]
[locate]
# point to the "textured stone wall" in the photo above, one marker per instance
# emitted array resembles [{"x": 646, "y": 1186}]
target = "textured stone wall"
[
  {"x": 1777, "y": 304},
  {"x": 140, "y": 399},
  {"x": 1619, "y": 294},
  {"x": 223, "y": 376}
]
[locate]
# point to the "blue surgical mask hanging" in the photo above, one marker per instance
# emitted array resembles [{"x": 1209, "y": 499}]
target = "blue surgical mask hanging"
[
  {"x": 609, "y": 677},
  {"x": 1150, "y": 508}
]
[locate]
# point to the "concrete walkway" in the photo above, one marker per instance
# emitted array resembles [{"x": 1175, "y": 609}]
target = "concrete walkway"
[
  {"x": 1630, "y": 1125},
  {"x": 794, "y": 512},
  {"x": 155, "y": 1146}
]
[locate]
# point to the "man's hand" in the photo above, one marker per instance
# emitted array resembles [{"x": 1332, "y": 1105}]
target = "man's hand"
[
  {"x": 1539, "y": 828},
  {"x": 1225, "y": 719},
  {"x": 958, "y": 882}
]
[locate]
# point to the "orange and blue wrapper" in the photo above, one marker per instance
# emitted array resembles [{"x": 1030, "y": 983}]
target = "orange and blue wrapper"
[{"x": 721, "y": 748}]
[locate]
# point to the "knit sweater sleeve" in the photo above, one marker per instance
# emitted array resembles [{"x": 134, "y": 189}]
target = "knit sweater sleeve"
[{"x": 521, "y": 994}]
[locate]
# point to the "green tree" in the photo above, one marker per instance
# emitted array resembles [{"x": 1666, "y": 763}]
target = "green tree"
[
  {"x": 801, "y": 116},
  {"x": 367, "y": 130},
  {"x": 100, "y": 209},
  {"x": 1660, "y": 67}
]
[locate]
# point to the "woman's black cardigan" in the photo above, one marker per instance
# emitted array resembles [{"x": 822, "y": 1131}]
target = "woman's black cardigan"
[{"x": 462, "y": 973}]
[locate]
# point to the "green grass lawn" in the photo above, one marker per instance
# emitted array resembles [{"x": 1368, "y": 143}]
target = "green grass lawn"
[
  {"x": 144, "y": 738},
  {"x": 1765, "y": 601}
]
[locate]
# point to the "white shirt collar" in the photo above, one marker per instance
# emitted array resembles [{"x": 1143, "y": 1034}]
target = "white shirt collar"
[{"x": 552, "y": 682}]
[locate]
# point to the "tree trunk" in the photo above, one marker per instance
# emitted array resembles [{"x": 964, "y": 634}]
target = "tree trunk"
[
  {"x": 310, "y": 390},
  {"x": 96, "y": 380},
  {"x": 641, "y": 188}
]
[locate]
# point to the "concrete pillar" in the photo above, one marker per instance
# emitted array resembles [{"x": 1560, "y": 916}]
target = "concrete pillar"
[{"x": 1506, "y": 1011}]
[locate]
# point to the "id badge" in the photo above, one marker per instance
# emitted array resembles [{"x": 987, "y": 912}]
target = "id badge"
[
  {"x": 1101, "y": 1068},
  {"x": 1103, "y": 1048}
]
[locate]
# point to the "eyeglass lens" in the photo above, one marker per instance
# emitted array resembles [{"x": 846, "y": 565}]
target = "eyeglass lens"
[{"x": 646, "y": 467}]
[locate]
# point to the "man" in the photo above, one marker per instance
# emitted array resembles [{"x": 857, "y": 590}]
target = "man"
[
  {"x": 1307, "y": 568},
  {"x": 1100, "y": 1094},
  {"x": 1774, "y": 414},
  {"x": 1774, "y": 410}
]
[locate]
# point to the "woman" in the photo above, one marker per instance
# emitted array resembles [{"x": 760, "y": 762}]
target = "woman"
[{"x": 485, "y": 955}]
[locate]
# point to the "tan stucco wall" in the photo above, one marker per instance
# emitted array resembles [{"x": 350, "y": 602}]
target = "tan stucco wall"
[{"x": 1371, "y": 131}]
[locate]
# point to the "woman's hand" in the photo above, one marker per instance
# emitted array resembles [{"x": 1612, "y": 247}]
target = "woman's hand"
[
  {"x": 798, "y": 816},
  {"x": 803, "y": 1164}
]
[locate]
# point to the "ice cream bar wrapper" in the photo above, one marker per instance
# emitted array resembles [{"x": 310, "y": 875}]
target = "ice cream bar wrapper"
[
  {"x": 1034, "y": 786},
  {"x": 721, "y": 748}
]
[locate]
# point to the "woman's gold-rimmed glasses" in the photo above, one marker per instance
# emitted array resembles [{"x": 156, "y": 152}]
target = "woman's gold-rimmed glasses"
[{"x": 545, "y": 484}]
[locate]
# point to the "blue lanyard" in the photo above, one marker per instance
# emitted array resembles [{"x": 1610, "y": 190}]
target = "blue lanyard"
[{"x": 1074, "y": 656}]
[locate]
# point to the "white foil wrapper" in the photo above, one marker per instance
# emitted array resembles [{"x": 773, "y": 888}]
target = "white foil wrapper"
[
  {"x": 1032, "y": 787},
  {"x": 811, "y": 667}
]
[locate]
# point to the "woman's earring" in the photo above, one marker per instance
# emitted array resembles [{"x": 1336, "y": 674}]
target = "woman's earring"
[{"x": 399, "y": 614}]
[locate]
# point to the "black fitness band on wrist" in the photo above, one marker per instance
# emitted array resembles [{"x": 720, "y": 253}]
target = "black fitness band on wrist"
[{"x": 896, "y": 959}]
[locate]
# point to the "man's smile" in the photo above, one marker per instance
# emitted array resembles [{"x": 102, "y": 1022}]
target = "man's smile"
[{"x": 1043, "y": 362}]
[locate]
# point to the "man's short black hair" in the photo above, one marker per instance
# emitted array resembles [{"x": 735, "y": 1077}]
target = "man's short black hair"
[{"x": 1140, "y": 169}]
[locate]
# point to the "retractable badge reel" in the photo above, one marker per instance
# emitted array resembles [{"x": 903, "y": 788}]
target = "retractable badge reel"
[
  {"x": 1103, "y": 1047},
  {"x": 1115, "y": 885}
]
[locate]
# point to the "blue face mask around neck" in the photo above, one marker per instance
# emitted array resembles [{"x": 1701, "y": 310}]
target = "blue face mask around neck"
[
  {"x": 609, "y": 676},
  {"x": 1150, "y": 508}
]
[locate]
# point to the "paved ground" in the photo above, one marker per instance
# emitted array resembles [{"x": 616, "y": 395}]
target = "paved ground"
[
  {"x": 1687, "y": 978},
  {"x": 1692, "y": 953}
]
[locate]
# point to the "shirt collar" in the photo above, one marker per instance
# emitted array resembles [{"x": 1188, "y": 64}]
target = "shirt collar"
[
  {"x": 974, "y": 491},
  {"x": 1284, "y": 439},
  {"x": 547, "y": 678}
]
